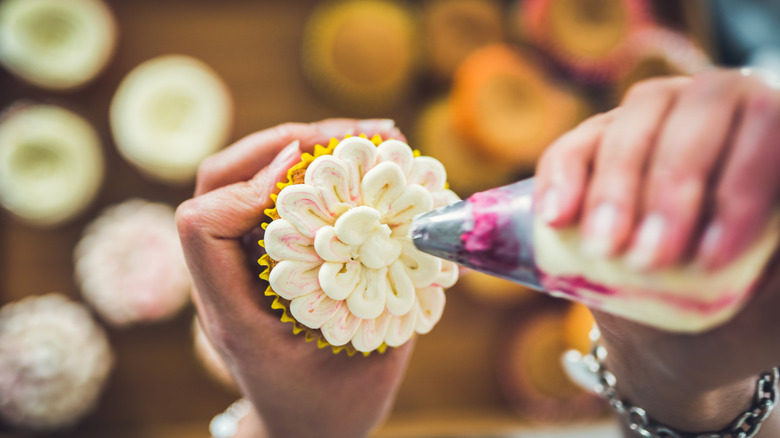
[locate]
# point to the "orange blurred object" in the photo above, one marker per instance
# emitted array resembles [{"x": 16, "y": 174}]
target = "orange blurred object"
[{"x": 504, "y": 103}]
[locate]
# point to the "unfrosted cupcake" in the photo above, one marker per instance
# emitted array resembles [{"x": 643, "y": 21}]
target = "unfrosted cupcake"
[
  {"x": 452, "y": 29},
  {"x": 585, "y": 36},
  {"x": 469, "y": 169},
  {"x": 361, "y": 54},
  {"x": 502, "y": 102},
  {"x": 130, "y": 265},
  {"x": 340, "y": 260},
  {"x": 656, "y": 51},
  {"x": 530, "y": 370},
  {"x": 54, "y": 360}
]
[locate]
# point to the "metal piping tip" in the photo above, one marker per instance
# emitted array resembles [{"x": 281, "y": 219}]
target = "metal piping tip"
[{"x": 438, "y": 232}]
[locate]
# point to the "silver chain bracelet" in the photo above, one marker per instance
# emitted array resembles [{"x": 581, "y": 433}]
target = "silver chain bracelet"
[
  {"x": 225, "y": 425},
  {"x": 746, "y": 425}
]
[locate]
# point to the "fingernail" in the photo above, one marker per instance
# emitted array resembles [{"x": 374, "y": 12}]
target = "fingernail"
[
  {"x": 290, "y": 152},
  {"x": 710, "y": 241},
  {"x": 376, "y": 125},
  {"x": 550, "y": 207},
  {"x": 336, "y": 131},
  {"x": 599, "y": 233},
  {"x": 645, "y": 249}
]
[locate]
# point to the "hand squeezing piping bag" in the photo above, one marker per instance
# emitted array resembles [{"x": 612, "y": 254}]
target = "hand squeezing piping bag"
[{"x": 497, "y": 232}]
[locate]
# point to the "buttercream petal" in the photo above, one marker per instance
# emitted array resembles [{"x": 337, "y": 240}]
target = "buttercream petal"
[
  {"x": 414, "y": 200},
  {"x": 448, "y": 275},
  {"x": 379, "y": 250},
  {"x": 444, "y": 197},
  {"x": 354, "y": 226},
  {"x": 330, "y": 176},
  {"x": 360, "y": 155},
  {"x": 338, "y": 280},
  {"x": 371, "y": 333},
  {"x": 401, "y": 329},
  {"x": 398, "y": 152},
  {"x": 422, "y": 268},
  {"x": 314, "y": 309},
  {"x": 341, "y": 327},
  {"x": 400, "y": 290},
  {"x": 368, "y": 299},
  {"x": 430, "y": 306},
  {"x": 328, "y": 247},
  {"x": 382, "y": 185},
  {"x": 290, "y": 278},
  {"x": 283, "y": 241},
  {"x": 301, "y": 205},
  {"x": 429, "y": 173}
]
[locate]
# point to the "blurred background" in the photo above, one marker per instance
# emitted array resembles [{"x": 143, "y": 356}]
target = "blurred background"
[{"x": 482, "y": 85}]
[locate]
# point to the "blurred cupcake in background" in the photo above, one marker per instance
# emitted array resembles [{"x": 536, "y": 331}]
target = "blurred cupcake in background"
[
  {"x": 495, "y": 291},
  {"x": 51, "y": 163},
  {"x": 530, "y": 370},
  {"x": 469, "y": 169},
  {"x": 168, "y": 114},
  {"x": 503, "y": 103},
  {"x": 361, "y": 55},
  {"x": 211, "y": 361},
  {"x": 585, "y": 36},
  {"x": 657, "y": 51},
  {"x": 129, "y": 264},
  {"x": 452, "y": 29},
  {"x": 54, "y": 361},
  {"x": 56, "y": 44}
]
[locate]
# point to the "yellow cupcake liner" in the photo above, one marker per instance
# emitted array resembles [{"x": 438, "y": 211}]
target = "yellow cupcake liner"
[{"x": 279, "y": 303}]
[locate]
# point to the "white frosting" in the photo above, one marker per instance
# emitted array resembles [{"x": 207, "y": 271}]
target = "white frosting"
[
  {"x": 51, "y": 163},
  {"x": 682, "y": 298},
  {"x": 168, "y": 114},
  {"x": 130, "y": 265},
  {"x": 55, "y": 44},
  {"x": 54, "y": 360},
  {"x": 344, "y": 256}
]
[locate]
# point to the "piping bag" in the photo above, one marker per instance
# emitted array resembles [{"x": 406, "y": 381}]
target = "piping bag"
[
  {"x": 496, "y": 232},
  {"x": 491, "y": 232}
]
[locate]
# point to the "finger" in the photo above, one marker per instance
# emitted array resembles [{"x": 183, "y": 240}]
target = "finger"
[
  {"x": 244, "y": 158},
  {"x": 612, "y": 198},
  {"x": 211, "y": 227},
  {"x": 693, "y": 138},
  {"x": 562, "y": 174},
  {"x": 749, "y": 186}
]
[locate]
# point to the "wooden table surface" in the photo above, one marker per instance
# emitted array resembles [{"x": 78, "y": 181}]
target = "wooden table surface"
[{"x": 157, "y": 388}]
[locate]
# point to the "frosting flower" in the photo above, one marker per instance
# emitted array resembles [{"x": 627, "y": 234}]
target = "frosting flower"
[{"x": 339, "y": 254}]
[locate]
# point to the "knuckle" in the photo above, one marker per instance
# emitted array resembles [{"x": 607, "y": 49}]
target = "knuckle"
[{"x": 187, "y": 218}]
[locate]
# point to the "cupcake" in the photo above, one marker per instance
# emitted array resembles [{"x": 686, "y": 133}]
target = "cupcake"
[
  {"x": 361, "y": 55},
  {"x": 470, "y": 170},
  {"x": 168, "y": 114},
  {"x": 51, "y": 163},
  {"x": 211, "y": 361},
  {"x": 54, "y": 360},
  {"x": 339, "y": 259},
  {"x": 56, "y": 44},
  {"x": 656, "y": 51},
  {"x": 584, "y": 36},
  {"x": 455, "y": 28},
  {"x": 502, "y": 102},
  {"x": 531, "y": 374},
  {"x": 129, "y": 264}
]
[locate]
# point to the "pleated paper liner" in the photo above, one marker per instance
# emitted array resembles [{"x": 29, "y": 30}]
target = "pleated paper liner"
[
  {"x": 503, "y": 102},
  {"x": 530, "y": 369},
  {"x": 584, "y": 36},
  {"x": 296, "y": 176},
  {"x": 361, "y": 55}
]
